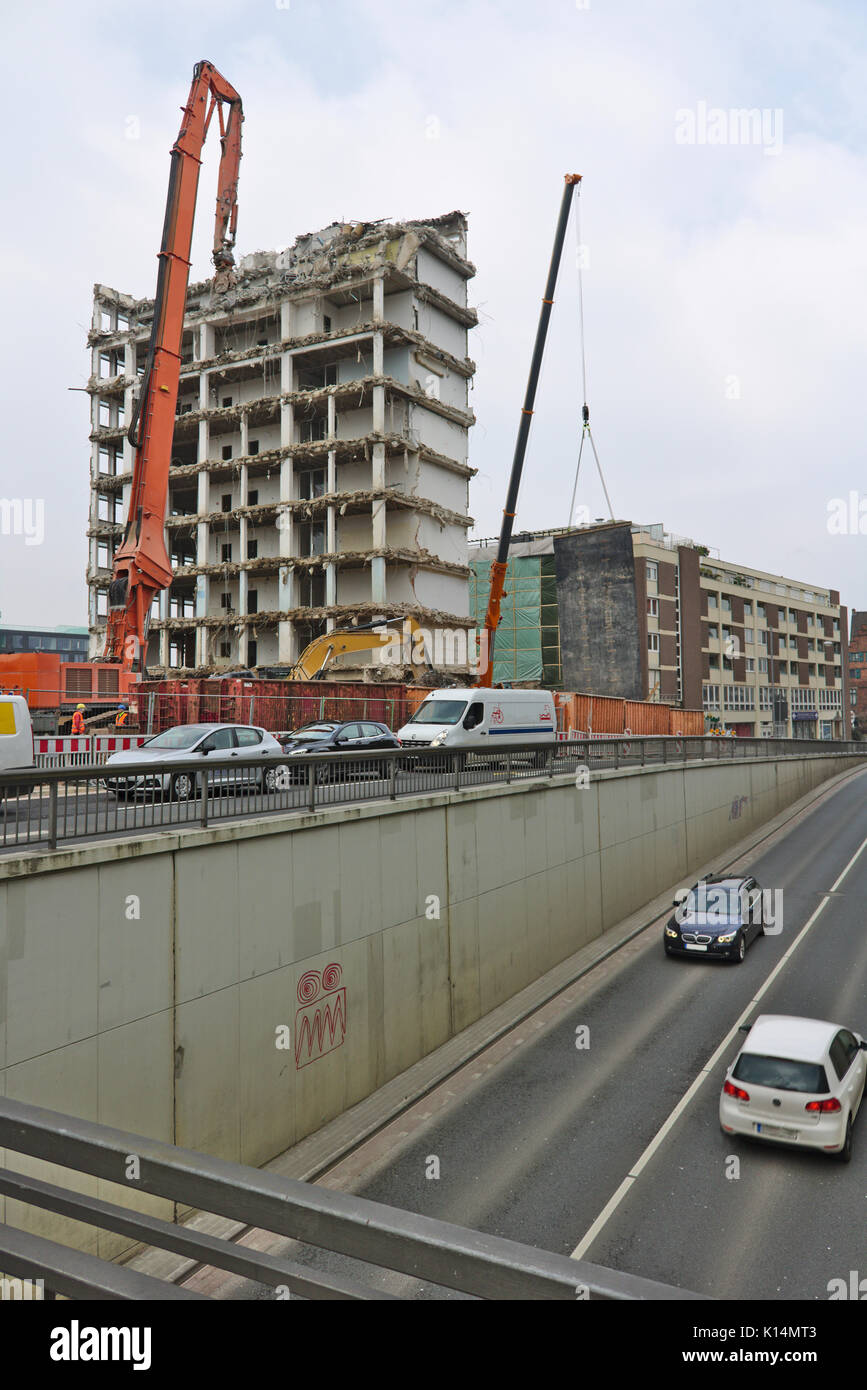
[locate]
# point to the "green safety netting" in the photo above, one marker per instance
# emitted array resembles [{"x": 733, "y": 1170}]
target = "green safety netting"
[{"x": 527, "y": 647}]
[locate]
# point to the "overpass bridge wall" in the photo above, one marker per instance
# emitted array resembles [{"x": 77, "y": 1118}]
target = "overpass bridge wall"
[{"x": 230, "y": 990}]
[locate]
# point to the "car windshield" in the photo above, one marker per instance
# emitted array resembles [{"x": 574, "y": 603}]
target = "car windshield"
[
  {"x": 439, "y": 712},
  {"x": 311, "y": 735},
  {"x": 183, "y": 737},
  {"x": 781, "y": 1073},
  {"x": 715, "y": 902}
]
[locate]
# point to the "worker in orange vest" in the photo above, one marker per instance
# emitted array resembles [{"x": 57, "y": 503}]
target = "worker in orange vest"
[
  {"x": 78, "y": 720},
  {"x": 121, "y": 717}
]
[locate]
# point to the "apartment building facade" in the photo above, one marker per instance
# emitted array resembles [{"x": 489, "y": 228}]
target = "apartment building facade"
[
  {"x": 858, "y": 671},
  {"x": 643, "y": 614},
  {"x": 319, "y": 472},
  {"x": 759, "y": 653}
]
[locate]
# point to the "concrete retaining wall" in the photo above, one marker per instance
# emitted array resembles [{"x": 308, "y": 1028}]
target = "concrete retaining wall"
[{"x": 230, "y": 990}]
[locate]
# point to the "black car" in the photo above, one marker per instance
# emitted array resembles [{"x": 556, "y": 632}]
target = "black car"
[
  {"x": 329, "y": 736},
  {"x": 718, "y": 917}
]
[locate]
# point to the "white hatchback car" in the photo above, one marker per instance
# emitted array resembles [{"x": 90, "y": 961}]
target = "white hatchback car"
[
  {"x": 141, "y": 769},
  {"x": 796, "y": 1081}
]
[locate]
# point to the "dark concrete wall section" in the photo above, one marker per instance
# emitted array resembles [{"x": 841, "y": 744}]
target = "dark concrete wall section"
[{"x": 598, "y": 608}]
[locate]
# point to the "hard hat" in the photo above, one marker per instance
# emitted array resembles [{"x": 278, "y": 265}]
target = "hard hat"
[
  {"x": 121, "y": 706},
  {"x": 80, "y": 707}
]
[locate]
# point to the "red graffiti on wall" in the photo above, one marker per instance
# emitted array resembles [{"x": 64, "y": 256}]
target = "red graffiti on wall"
[{"x": 320, "y": 1023}]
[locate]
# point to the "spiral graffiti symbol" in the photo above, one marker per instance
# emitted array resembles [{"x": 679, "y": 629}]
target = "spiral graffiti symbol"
[
  {"x": 331, "y": 976},
  {"x": 308, "y": 986}
]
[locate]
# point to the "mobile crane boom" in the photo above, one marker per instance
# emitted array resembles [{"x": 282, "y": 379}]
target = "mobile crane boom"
[
  {"x": 498, "y": 567},
  {"x": 141, "y": 564}
]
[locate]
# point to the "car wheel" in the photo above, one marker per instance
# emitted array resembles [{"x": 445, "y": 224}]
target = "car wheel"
[
  {"x": 741, "y": 949},
  {"x": 183, "y": 787},
  {"x": 268, "y": 780},
  {"x": 845, "y": 1154}
]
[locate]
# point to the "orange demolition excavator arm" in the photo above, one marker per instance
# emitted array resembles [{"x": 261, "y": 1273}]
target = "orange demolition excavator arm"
[{"x": 141, "y": 563}]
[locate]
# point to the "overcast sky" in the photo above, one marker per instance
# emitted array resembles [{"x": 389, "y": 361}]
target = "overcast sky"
[{"x": 725, "y": 290}]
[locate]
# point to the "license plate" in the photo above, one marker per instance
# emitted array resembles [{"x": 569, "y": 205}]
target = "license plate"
[
  {"x": 777, "y": 1131},
  {"x": 694, "y": 946}
]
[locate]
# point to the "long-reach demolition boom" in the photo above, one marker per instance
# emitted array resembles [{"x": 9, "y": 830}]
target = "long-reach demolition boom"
[
  {"x": 498, "y": 567},
  {"x": 141, "y": 565}
]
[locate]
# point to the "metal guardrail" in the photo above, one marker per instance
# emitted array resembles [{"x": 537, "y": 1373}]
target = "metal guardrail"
[
  {"x": 448, "y": 1256},
  {"x": 43, "y": 808}
]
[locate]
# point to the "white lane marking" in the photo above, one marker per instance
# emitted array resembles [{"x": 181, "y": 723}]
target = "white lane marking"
[{"x": 632, "y": 1176}]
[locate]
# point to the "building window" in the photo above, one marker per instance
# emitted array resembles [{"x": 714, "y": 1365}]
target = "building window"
[
  {"x": 252, "y": 550},
  {"x": 712, "y": 601},
  {"x": 253, "y": 497},
  {"x": 653, "y": 641},
  {"x": 763, "y": 665},
  {"x": 227, "y": 451},
  {"x": 225, "y": 600},
  {"x": 251, "y": 654},
  {"x": 226, "y": 552},
  {"x": 225, "y": 649},
  {"x": 227, "y": 401},
  {"x": 712, "y": 632},
  {"x": 726, "y": 604},
  {"x": 761, "y": 611},
  {"x": 748, "y": 608},
  {"x": 326, "y": 323},
  {"x": 226, "y": 502},
  {"x": 311, "y": 483},
  {"x": 652, "y": 571},
  {"x": 763, "y": 638},
  {"x": 252, "y": 601},
  {"x": 253, "y": 446},
  {"x": 653, "y": 607},
  {"x": 749, "y": 635},
  {"x": 311, "y": 538},
  {"x": 311, "y": 431},
  {"x": 751, "y": 665}
]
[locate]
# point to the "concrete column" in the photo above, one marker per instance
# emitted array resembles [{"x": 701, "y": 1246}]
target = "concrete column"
[
  {"x": 379, "y": 299},
  {"x": 331, "y": 535}
]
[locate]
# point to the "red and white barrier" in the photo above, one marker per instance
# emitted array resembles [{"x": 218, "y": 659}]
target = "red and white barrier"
[{"x": 81, "y": 750}]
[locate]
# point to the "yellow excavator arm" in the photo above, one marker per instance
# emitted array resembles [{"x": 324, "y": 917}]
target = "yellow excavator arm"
[{"x": 319, "y": 654}]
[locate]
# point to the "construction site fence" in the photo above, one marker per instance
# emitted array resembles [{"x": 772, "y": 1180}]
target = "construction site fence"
[{"x": 155, "y": 706}]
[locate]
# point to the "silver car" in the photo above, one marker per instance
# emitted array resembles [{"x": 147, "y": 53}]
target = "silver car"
[{"x": 139, "y": 769}]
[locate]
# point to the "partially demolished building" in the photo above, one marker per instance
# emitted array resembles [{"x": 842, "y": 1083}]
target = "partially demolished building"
[{"x": 319, "y": 474}]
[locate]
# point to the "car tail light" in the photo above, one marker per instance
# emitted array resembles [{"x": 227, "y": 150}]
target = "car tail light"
[
  {"x": 823, "y": 1107},
  {"x": 730, "y": 1089}
]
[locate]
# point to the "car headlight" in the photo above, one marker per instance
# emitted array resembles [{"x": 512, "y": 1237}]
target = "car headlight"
[
  {"x": 729, "y": 936},
  {"x": 672, "y": 931},
  {"x": 438, "y": 741}
]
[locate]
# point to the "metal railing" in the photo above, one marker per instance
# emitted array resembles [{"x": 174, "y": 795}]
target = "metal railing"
[
  {"x": 43, "y": 808},
  {"x": 376, "y": 1236}
]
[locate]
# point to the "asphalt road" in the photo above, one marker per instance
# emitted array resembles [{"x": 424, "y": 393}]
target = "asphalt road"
[
  {"x": 543, "y": 1142},
  {"x": 535, "y": 1138}
]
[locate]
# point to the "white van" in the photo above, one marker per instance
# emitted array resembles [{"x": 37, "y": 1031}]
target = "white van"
[
  {"x": 457, "y": 717},
  {"x": 16, "y": 737}
]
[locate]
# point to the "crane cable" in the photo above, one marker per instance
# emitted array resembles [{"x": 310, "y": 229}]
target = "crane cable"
[{"x": 586, "y": 432}]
